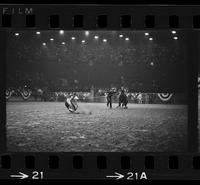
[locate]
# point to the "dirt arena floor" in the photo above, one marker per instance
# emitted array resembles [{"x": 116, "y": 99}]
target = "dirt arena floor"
[{"x": 50, "y": 127}]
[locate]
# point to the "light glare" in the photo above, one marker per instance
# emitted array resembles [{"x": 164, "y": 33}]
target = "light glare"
[
  {"x": 87, "y": 33},
  {"x": 173, "y": 32},
  {"x": 104, "y": 40},
  {"x": 61, "y": 32}
]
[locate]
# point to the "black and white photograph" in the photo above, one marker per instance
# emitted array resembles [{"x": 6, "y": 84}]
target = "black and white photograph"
[{"x": 97, "y": 91}]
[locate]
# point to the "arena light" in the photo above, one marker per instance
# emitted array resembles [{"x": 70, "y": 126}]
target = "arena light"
[
  {"x": 63, "y": 43},
  {"x": 16, "y": 34},
  {"x": 152, "y": 64},
  {"x": 150, "y": 38},
  {"x": 146, "y": 34},
  {"x": 175, "y": 38},
  {"x": 44, "y": 44},
  {"x": 87, "y": 33},
  {"x": 96, "y": 37},
  {"x": 121, "y": 36},
  {"x": 83, "y": 41},
  {"x": 173, "y": 32},
  {"x": 61, "y": 32},
  {"x": 38, "y": 33},
  {"x": 104, "y": 40},
  {"x": 127, "y": 39},
  {"x": 51, "y": 39},
  {"x": 73, "y": 38}
]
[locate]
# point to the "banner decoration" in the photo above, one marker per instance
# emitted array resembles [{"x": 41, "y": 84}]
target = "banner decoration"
[
  {"x": 26, "y": 94},
  {"x": 134, "y": 95},
  {"x": 165, "y": 96},
  {"x": 9, "y": 93}
]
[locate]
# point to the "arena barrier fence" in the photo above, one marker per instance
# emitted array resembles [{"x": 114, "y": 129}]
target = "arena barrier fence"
[{"x": 138, "y": 98}]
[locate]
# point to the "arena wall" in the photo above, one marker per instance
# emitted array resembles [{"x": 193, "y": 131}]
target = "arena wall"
[{"x": 147, "y": 98}]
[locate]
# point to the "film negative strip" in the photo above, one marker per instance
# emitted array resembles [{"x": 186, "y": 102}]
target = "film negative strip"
[{"x": 99, "y": 92}]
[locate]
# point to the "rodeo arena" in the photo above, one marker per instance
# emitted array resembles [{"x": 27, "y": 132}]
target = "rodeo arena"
[{"x": 96, "y": 91}]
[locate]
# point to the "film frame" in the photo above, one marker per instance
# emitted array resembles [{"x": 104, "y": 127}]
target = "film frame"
[{"x": 99, "y": 165}]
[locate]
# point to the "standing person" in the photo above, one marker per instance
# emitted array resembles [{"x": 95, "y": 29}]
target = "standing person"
[
  {"x": 109, "y": 97},
  {"x": 147, "y": 98},
  {"x": 140, "y": 98},
  {"x": 120, "y": 99}
]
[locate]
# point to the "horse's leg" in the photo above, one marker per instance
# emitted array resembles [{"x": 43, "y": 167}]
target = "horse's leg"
[
  {"x": 119, "y": 103},
  {"x": 67, "y": 105},
  {"x": 107, "y": 102}
]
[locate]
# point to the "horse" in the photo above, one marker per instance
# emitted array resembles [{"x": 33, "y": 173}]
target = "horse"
[{"x": 123, "y": 100}]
